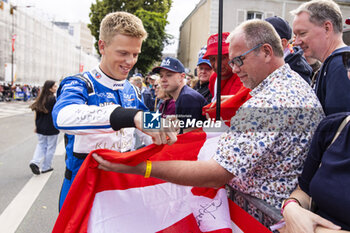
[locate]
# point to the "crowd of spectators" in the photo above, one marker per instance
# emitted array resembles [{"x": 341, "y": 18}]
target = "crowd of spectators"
[
  {"x": 23, "y": 92},
  {"x": 287, "y": 73},
  {"x": 279, "y": 147}
]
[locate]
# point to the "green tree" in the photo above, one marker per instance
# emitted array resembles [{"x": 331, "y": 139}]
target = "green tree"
[{"x": 153, "y": 14}]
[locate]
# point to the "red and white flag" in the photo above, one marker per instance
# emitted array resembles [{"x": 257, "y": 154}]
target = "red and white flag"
[{"x": 110, "y": 202}]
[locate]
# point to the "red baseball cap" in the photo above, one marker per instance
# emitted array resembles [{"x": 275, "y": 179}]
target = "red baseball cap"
[
  {"x": 347, "y": 21},
  {"x": 212, "y": 45}
]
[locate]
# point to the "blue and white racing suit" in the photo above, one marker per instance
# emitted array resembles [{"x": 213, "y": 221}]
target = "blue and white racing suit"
[{"x": 83, "y": 108}]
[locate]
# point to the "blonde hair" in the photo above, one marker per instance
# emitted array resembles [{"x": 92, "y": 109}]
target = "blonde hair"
[
  {"x": 137, "y": 79},
  {"x": 123, "y": 23},
  {"x": 320, "y": 11},
  {"x": 194, "y": 82}
]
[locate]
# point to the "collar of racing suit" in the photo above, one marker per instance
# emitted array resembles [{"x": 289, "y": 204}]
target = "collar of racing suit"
[{"x": 107, "y": 81}]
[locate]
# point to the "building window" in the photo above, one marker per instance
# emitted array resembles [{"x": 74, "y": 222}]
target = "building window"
[{"x": 254, "y": 15}]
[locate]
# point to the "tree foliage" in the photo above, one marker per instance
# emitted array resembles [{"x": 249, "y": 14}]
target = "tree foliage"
[{"x": 153, "y": 14}]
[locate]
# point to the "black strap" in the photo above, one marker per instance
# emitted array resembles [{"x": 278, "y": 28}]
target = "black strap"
[
  {"x": 87, "y": 82},
  {"x": 324, "y": 68},
  {"x": 68, "y": 174},
  {"x": 80, "y": 155},
  {"x": 137, "y": 91},
  {"x": 122, "y": 118},
  {"x": 65, "y": 144}
]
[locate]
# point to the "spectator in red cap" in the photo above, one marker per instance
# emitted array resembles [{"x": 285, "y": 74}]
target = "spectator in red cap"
[{"x": 230, "y": 82}]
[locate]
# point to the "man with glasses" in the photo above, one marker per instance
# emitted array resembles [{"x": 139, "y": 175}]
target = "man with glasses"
[
  {"x": 262, "y": 153},
  {"x": 271, "y": 132}
]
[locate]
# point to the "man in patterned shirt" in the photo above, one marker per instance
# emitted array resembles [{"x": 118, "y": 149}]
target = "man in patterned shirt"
[{"x": 263, "y": 152}]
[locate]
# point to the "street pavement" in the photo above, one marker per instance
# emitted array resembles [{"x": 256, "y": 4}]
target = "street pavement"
[
  {"x": 13, "y": 108},
  {"x": 28, "y": 203}
]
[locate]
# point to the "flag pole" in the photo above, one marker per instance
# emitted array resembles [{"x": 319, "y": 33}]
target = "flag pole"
[{"x": 218, "y": 79}]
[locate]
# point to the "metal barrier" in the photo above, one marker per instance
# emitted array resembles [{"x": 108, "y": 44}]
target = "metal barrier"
[{"x": 260, "y": 210}]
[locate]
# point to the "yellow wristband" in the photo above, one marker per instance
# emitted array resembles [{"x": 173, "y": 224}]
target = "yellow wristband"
[{"x": 148, "y": 169}]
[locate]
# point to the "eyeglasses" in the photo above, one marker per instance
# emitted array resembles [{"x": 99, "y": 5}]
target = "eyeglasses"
[
  {"x": 238, "y": 61},
  {"x": 346, "y": 60}
]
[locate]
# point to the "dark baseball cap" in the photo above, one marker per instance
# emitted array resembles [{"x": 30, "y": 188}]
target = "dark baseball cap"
[
  {"x": 171, "y": 64},
  {"x": 281, "y": 26}
]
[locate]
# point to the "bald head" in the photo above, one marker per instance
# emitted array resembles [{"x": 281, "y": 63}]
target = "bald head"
[
  {"x": 255, "y": 51},
  {"x": 259, "y": 32}
]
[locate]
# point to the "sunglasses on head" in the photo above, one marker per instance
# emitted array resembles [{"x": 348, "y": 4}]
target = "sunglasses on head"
[{"x": 346, "y": 60}]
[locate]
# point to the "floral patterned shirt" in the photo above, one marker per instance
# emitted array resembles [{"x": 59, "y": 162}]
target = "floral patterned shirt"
[{"x": 269, "y": 137}]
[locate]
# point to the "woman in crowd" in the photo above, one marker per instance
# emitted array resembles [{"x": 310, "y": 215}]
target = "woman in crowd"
[{"x": 47, "y": 133}]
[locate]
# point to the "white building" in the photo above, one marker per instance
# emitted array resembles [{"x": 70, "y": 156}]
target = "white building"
[
  {"x": 203, "y": 21},
  {"x": 42, "y": 50},
  {"x": 81, "y": 34}
]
